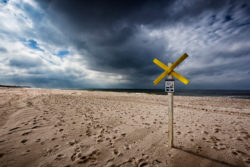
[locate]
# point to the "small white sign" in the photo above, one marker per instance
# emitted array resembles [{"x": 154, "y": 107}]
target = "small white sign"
[{"x": 169, "y": 85}]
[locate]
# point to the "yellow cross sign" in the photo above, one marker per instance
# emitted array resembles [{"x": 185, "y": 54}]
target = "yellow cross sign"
[{"x": 170, "y": 70}]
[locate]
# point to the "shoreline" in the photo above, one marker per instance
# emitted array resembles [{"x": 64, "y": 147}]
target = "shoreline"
[{"x": 236, "y": 94}]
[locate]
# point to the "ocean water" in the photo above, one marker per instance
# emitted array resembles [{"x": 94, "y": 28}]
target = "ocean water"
[{"x": 243, "y": 94}]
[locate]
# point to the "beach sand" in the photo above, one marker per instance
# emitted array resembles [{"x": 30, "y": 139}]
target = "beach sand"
[{"x": 90, "y": 128}]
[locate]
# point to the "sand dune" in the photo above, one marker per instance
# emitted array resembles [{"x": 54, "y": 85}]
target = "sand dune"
[{"x": 81, "y": 128}]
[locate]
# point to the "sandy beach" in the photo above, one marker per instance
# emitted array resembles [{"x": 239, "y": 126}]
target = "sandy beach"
[{"x": 48, "y": 128}]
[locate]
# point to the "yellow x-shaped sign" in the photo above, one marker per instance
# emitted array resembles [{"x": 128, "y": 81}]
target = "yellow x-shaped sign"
[{"x": 169, "y": 70}]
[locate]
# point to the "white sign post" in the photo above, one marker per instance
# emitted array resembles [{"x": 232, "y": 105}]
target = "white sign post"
[
  {"x": 170, "y": 114},
  {"x": 169, "y": 87}
]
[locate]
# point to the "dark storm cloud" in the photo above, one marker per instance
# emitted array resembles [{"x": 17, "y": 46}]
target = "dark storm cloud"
[
  {"x": 109, "y": 31},
  {"x": 49, "y": 81},
  {"x": 109, "y": 34},
  {"x": 117, "y": 41},
  {"x": 25, "y": 62},
  {"x": 96, "y": 15},
  {"x": 3, "y": 50}
]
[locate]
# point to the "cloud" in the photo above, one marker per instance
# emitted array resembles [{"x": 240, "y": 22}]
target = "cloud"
[
  {"x": 25, "y": 62},
  {"x": 3, "y": 50},
  {"x": 4, "y": 1},
  {"x": 125, "y": 40},
  {"x": 112, "y": 43},
  {"x": 29, "y": 49}
]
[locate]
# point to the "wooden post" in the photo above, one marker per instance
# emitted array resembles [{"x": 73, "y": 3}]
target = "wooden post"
[{"x": 170, "y": 115}]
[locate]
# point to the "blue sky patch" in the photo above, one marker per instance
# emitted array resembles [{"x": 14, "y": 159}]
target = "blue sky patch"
[
  {"x": 34, "y": 14},
  {"x": 33, "y": 45},
  {"x": 62, "y": 53},
  {"x": 4, "y": 1}
]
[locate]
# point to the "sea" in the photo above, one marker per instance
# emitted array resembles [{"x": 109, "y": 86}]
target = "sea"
[{"x": 242, "y": 94}]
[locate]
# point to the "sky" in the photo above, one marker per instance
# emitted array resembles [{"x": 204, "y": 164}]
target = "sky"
[{"x": 76, "y": 44}]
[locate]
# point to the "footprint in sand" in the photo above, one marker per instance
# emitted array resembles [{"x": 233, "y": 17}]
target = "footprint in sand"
[
  {"x": 126, "y": 147},
  {"x": 216, "y": 130},
  {"x": 60, "y": 156},
  {"x": 116, "y": 152},
  {"x": 109, "y": 162},
  {"x": 45, "y": 112},
  {"x": 239, "y": 139},
  {"x": 142, "y": 162},
  {"x": 29, "y": 104},
  {"x": 204, "y": 132},
  {"x": 99, "y": 140},
  {"x": 26, "y": 133},
  {"x": 73, "y": 142},
  {"x": 92, "y": 156},
  {"x": 1, "y": 141},
  {"x": 214, "y": 139},
  {"x": 14, "y": 128},
  {"x": 245, "y": 134},
  {"x": 247, "y": 160},
  {"x": 156, "y": 161},
  {"x": 38, "y": 140},
  {"x": 234, "y": 152},
  {"x": 1, "y": 155},
  {"x": 75, "y": 155},
  {"x": 34, "y": 127},
  {"x": 88, "y": 132},
  {"x": 54, "y": 138},
  {"x": 24, "y": 141}
]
